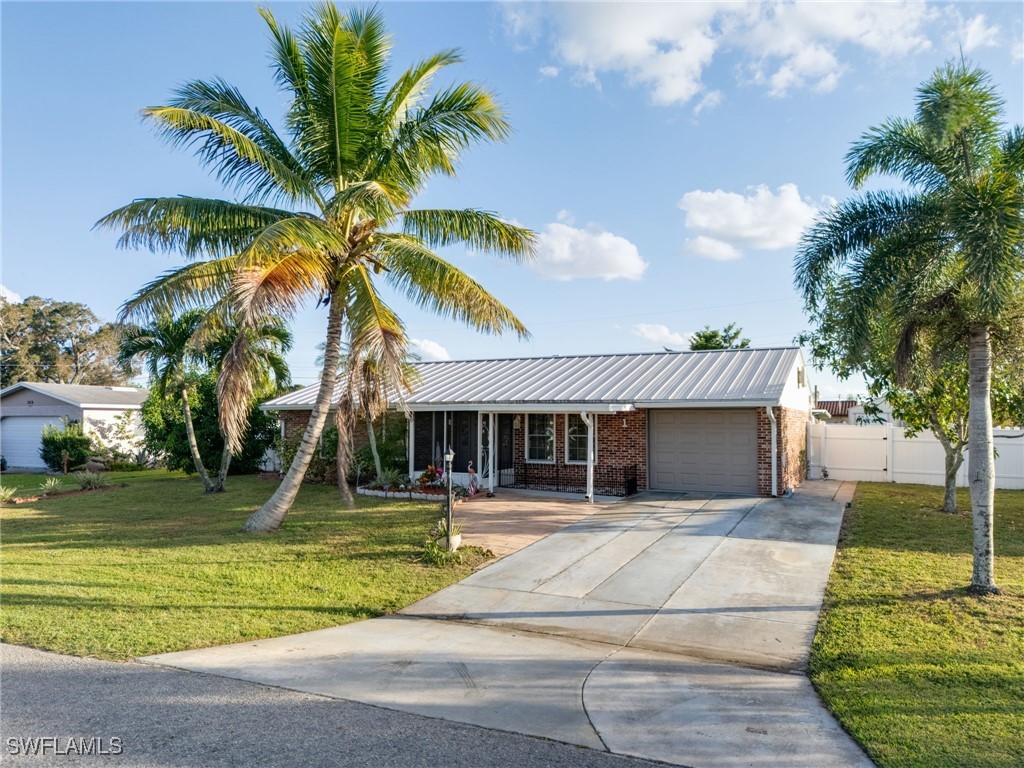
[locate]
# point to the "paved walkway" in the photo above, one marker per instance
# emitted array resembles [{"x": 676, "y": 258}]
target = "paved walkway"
[
  {"x": 672, "y": 627},
  {"x": 511, "y": 521}
]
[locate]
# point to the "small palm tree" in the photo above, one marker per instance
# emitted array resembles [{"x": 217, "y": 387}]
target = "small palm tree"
[
  {"x": 326, "y": 211},
  {"x": 173, "y": 348},
  {"x": 169, "y": 355},
  {"x": 250, "y": 363},
  {"x": 950, "y": 245}
]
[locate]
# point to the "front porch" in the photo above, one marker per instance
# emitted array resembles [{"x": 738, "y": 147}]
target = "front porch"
[{"x": 578, "y": 452}]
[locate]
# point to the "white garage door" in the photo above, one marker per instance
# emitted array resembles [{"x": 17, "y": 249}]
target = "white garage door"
[
  {"x": 704, "y": 450},
  {"x": 20, "y": 439}
]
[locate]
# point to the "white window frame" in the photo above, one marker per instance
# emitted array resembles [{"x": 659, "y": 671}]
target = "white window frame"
[
  {"x": 593, "y": 418},
  {"x": 526, "y": 439}
]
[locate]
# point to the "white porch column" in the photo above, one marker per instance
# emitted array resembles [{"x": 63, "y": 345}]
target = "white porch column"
[
  {"x": 490, "y": 453},
  {"x": 588, "y": 419},
  {"x": 411, "y": 420}
]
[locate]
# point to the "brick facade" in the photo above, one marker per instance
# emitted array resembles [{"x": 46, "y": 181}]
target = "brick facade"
[
  {"x": 621, "y": 447},
  {"x": 791, "y": 442}
]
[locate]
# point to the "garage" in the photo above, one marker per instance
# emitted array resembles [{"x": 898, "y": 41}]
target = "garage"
[
  {"x": 703, "y": 450},
  {"x": 20, "y": 439}
]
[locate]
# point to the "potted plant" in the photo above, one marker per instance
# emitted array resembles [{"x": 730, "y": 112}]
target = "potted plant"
[{"x": 441, "y": 535}]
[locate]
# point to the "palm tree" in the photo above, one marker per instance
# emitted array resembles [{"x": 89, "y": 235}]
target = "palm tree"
[
  {"x": 325, "y": 211},
  {"x": 169, "y": 354},
  {"x": 952, "y": 240},
  {"x": 250, "y": 361}
]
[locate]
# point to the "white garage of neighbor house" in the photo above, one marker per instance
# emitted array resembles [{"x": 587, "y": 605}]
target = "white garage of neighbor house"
[
  {"x": 732, "y": 421},
  {"x": 27, "y": 407}
]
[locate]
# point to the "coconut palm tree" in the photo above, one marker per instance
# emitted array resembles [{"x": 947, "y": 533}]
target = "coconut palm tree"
[
  {"x": 950, "y": 243},
  {"x": 250, "y": 361},
  {"x": 174, "y": 348},
  {"x": 168, "y": 353},
  {"x": 325, "y": 211}
]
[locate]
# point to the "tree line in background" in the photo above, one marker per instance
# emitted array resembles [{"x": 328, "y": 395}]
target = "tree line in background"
[{"x": 61, "y": 342}]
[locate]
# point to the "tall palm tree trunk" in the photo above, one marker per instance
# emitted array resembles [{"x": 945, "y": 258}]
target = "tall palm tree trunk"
[
  {"x": 192, "y": 445},
  {"x": 222, "y": 473},
  {"x": 269, "y": 517},
  {"x": 981, "y": 462}
]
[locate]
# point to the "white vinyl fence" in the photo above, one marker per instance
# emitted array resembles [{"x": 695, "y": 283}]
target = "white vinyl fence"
[{"x": 881, "y": 453}]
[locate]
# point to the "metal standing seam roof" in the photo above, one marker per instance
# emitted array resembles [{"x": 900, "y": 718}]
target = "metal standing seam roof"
[
  {"x": 85, "y": 395},
  {"x": 732, "y": 377}
]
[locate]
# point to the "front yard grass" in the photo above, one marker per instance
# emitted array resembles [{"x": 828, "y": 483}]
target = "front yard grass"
[
  {"x": 918, "y": 671},
  {"x": 160, "y": 566}
]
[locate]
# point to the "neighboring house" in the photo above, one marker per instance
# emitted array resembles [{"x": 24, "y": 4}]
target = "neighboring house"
[
  {"x": 717, "y": 421},
  {"x": 27, "y": 407},
  {"x": 838, "y": 410}
]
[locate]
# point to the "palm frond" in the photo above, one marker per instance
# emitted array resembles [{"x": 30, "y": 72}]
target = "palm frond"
[
  {"x": 199, "y": 284},
  {"x": 374, "y": 330},
  {"x": 898, "y": 148},
  {"x": 480, "y": 230},
  {"x": 237, "y": 159},
  {"x": 190, "y": 225},
  {"x": 408, "y": 91},
  {"x": 429, "y": 281},
  {"x": 851, "y": 228}
]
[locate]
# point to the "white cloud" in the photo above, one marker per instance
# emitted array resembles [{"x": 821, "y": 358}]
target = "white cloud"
[
  {"x": 723, "y": 224},
  {"x": 429, "y": 350},
  {"x": 10, "y": 295},
  {"x": 566, "y": 252},
  {"x": 976, "y": 33},
  {"x": 710, "y": 248},
  {"x": 709, "y": 100},
  {"x": 548, "y": 71},
  {"x": 661, "y": 335},
  {"x": 666, "y": 47}
]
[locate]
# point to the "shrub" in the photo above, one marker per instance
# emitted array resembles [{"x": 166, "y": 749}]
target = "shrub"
[
  {"x": 51, "y": 485},
  {"x": 167, "y": 438},
  {"x": 90, "y": 481},
  {"x": 6, "y": 494},
  {"x": 435, "y": 554},
  {"x": 390, "y": 478},
  {"x": 65, "y": 444}
]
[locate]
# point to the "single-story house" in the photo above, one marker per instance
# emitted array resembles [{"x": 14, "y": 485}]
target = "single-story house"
[
  {"x": 27, "y": 407},
  {"x": 721, "y": 420}
]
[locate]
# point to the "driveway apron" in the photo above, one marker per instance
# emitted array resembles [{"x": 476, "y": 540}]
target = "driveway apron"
[{"x": 673, "y": 626}]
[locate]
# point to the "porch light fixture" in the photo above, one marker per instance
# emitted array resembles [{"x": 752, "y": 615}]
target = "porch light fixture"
[{"x": 449, "y": 457}]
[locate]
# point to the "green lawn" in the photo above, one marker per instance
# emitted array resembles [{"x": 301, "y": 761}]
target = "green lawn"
[
  {"x": 918, "y": 671},
  {"x": 160, "y": 566}
]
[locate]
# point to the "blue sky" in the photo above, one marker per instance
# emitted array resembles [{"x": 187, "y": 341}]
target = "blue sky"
[{"x": 668, "y": 154}]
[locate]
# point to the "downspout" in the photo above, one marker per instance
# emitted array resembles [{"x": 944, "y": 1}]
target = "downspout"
[{"x": 775, "y": 450}]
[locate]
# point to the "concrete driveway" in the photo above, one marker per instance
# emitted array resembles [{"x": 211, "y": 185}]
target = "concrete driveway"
[{"x": 673, "y": 627}]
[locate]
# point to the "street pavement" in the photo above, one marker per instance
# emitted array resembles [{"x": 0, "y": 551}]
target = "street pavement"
[{"x": 165, "y": 718}]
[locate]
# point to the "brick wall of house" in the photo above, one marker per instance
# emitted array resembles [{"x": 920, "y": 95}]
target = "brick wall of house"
[
  {"x": 791, "y": 442},
  {"x": 295, "y": 424},
  {"x": 325, "y": 470},
  {"x": 621, "y": 445}
]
